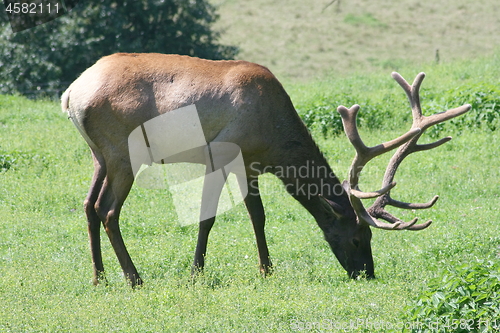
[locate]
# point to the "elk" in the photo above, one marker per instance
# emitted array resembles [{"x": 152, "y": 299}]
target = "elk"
[{"x": 242, "y": 103}]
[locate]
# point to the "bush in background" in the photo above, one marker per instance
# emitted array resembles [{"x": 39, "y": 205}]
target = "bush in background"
[
  {"x": 485, "y": 100},
  {"x": 44, "y": 60},
  {"x": 322, "y": 114}
]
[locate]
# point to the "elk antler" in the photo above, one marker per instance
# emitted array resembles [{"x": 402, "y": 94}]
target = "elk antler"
[{"x": 407, "y": 144}]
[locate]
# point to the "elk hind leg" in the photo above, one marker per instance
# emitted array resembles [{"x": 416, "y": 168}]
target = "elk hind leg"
[
  {"x": 93, "y": 220},
  {"x": 115, "y": 190}
]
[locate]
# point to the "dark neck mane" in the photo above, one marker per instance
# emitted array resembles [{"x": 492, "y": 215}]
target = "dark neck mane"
[{"x": 307, "y": 172}]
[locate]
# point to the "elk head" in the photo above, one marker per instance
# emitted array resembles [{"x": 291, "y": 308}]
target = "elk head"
[{"x": 354, "y": 251}]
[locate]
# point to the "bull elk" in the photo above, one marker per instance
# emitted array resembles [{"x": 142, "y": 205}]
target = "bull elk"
[{"x": 242, "y": 103}]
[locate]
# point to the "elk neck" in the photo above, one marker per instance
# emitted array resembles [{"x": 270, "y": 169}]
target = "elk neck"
[{"x": 304, "y": 170}]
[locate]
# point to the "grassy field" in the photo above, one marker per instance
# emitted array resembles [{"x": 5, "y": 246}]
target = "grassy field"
[
  {"x": 325, "y": 55},
  {"x": 45, "y": 266},
  {"x": 306, "y": 39}
]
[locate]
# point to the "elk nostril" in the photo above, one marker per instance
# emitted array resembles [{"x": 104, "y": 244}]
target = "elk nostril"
[{"x": 355, "y": 242}]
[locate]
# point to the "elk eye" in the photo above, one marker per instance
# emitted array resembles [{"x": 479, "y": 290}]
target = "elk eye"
[{"x": 355, "y": 242}]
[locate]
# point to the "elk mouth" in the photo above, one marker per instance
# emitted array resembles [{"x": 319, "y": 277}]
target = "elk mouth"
[
  {"x": 361, "y": 274},
  {"x": 361, "y": 270}
]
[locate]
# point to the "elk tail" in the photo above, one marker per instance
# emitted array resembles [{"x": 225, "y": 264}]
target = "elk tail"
[
  {"x": 65, "y": 101},
  {"x": 66, "y": 109}
]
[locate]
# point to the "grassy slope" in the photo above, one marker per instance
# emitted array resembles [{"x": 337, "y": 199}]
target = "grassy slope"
[
  {"x": 45, "y": 262},
  {"x": 298, "y": 39}
]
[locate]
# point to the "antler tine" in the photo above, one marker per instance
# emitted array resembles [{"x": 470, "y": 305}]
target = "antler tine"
[
  {"x": 364, "y": 153},
  {"x": 429, "y": 146},
  {"x": 413, "y": 92},
  {"x": 437, "y": 118},
  {"x": 377, "y": 210},
  {"x": 394, "y": 222},
  {"x": 405, "y": 205}
]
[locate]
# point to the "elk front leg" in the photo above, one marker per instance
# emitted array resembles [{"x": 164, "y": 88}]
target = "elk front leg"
[
  {"x": 201, "y": 246},
  {"x": 255, "y": 209},
  {"x": 212, "y": 187}
]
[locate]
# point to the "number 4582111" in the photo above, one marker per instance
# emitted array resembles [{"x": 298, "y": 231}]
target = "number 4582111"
[{"x": 31, "y": 8}]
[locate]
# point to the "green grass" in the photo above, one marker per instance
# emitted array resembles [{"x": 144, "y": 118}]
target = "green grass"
[{"x": 45, "y": 266}]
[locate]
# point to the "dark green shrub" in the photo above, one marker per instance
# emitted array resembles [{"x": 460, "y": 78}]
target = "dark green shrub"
[
  {"x": 44, "y": 60},
  {"x": 462, "y": 299},
  {"x": 322, "y": 114},
  {"x": 485, "y": 113},
  {"x": 6, "y": 162},
  {"x": 15, "y": 160}
]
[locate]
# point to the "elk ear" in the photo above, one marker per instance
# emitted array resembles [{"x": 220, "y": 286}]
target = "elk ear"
[
  {"x": 346, "y": 186},
  {"x": 332, "y": 207}
]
